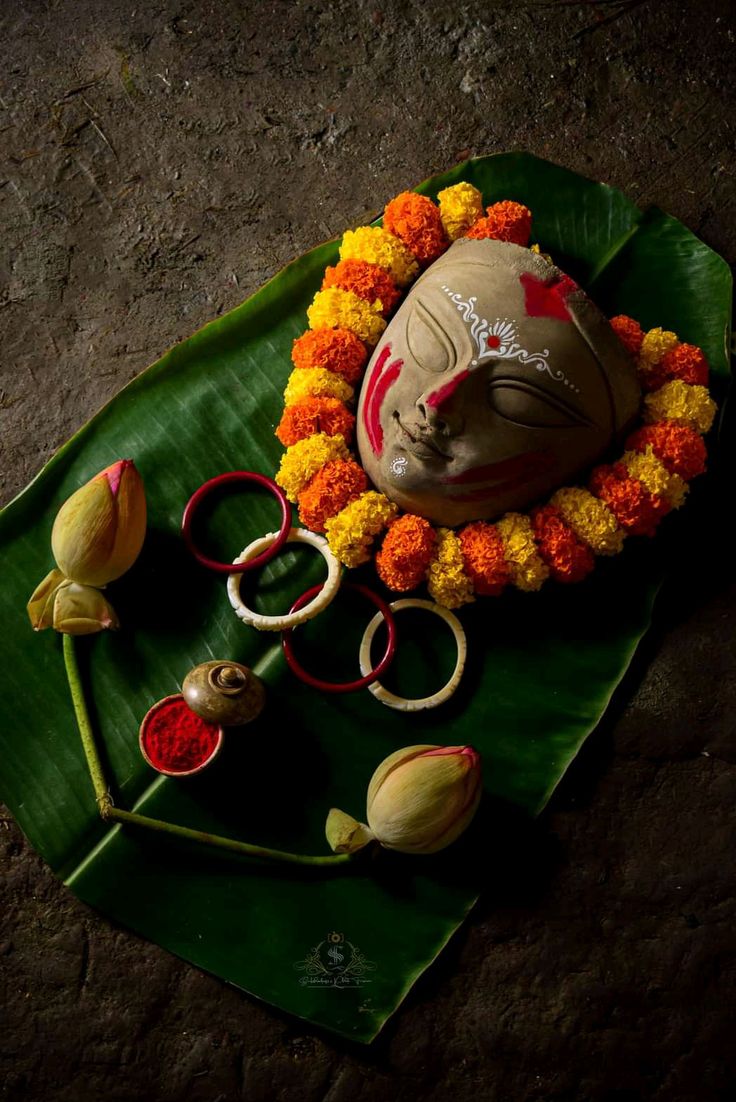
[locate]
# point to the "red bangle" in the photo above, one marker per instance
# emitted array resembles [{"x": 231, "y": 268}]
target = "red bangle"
[
  {"x": 342, "y": 686},
  {"x": 205, "y": 490}
]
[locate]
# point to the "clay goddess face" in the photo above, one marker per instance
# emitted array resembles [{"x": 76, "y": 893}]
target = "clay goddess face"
[{"x": 496, "y": 382}]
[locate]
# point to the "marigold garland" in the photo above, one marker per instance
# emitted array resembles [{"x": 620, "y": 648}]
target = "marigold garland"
[
  {"x": 684, "y": 361},
  {"x": 338, "y": 309},
  {"x": 303, "y": 459},
  {"x": 651, "y": 471},
  {"x": 378, "y": 246},
  {"x": 654, "y": 346},
  {"x": 460, "y": 206},
  {"x": 447, "y": 581},
  {"x": 637, "y": 511},
  {"x": 485, "y": 560},
  {"x": 590, "y": 519},
  {"x": 332, "y": 488},
  {"x": 366, "y": 280},
  {"x": 678, "y": 447},
  {"x": 416, "y": 221},
  {"x": 526, "y": 566},
  {"x": 311, "y": 415},
  {"x": 568, "y": 559},
  {"x": 352, "y": 531},
  {"x": 506, "y": 221},
  {"x": 629, "y": 332},
  {"x": 683, "y": 403},
  {"x": 559, "y": 539},
  {"x": 315, "y": 382},
  {"x": 336, "y": 350},
  {"x": 406, "y": 553}
]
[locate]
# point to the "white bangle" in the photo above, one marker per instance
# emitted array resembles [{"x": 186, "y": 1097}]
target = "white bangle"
[
  {"x": 401, "y": 703},
  {"x": 289, "y": 619}
]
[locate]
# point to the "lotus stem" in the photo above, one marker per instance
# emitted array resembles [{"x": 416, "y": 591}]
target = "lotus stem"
[
  {"x": 94, "y": 764},
  {"x": 109, "y": 812},
  {"x": 225, "y": 843}
]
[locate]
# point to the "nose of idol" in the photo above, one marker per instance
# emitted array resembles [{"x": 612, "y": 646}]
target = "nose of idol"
[{"x": 496, "y": 381}]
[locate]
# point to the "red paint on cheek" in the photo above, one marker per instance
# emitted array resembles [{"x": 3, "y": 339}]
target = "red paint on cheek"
[
  {"x": 525, "y": 465},
  {"x": 547, "y": 299},
  {"x": 514, "y": 472},
  {"x": 375, "y": 375},
  {"x": 438, "y": 397},
  {"x": 377, "y": 389},
  {"x": 373, "y": 410}
]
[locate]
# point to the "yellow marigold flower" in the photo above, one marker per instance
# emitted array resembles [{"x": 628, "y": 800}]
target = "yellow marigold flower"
[
  {"x": 351, "y": 533},
  {"x": 591, "y": 520},
  {"x": 380, "y": 247},
  {"x": 447, "y": 581},
  {"x": 654, "y": 475},
  {"x": 315, "y": 382},
  {"x": 302, "y": 460},
  {"x": 338, "y": 309},
  {"x": 528, "y": 569},
  {"x": 656, "y": 344},
  {"x": 681, "y": 402},
  {"x": 460, "y": 206},
  {"x": 535, "y": 248}
]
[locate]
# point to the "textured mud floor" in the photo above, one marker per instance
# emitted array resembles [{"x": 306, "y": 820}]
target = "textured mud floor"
[{"x": 159, "y": 163}]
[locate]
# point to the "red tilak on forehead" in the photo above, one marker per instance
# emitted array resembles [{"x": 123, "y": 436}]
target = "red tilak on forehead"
[{"x": 544, "y": 299}]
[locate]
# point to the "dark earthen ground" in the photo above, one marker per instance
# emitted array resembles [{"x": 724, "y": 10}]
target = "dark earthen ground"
[{"x": 160, "y": 162}]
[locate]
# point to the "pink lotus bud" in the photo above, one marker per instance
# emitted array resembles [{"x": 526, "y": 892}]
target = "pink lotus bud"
[
  {"x": 99, "y": 531},
  {"x": 420, "y": 799}
]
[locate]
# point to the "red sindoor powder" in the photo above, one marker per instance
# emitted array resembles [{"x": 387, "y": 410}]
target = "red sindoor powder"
[{"x": 177, "y": 739}]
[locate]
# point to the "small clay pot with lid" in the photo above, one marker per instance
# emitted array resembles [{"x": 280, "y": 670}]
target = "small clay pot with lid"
[{"x": 224, "y": 692}]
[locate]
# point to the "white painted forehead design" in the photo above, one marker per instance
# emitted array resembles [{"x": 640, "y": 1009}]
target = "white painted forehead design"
[{"x": 497, "y": 340}]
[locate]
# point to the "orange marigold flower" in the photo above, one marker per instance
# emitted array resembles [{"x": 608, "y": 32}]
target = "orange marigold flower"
[
  {"x": 679, "y": 447},
  {"x": 364, "y": 279},
  {"x": 637, "y": 511},
  {"x": 416, "y": 221},
  {"x": 329, "y": 491},
  {"x": 506, "y": 221},
  {"x": 405, "y": 555},
  {"x": 312, "y": 415},
  {"x": 568, "y": 559},
  {"x": 337, "y": 350},
  {"x": 629, "y": 332},
  {"x": 485, "y": 560},
  {"x": 684, "y": 361}
]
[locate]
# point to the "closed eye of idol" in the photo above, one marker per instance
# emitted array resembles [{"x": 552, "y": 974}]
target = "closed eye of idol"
[{"x": 496, "y": 381}]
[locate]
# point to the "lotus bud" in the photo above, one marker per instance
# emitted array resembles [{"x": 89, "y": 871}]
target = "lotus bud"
[
  {"x": 69, "y": 607},
  {"x": 41, "y": 605},
  {"x": 344, "y": 833},
  {"x": 99, "y": 531},
  {"x": 420, "y": 799},
  {"x": 81, "y": 610}
]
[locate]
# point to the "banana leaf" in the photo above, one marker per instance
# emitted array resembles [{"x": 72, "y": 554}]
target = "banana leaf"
[{"x": 541, "y": 673}]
